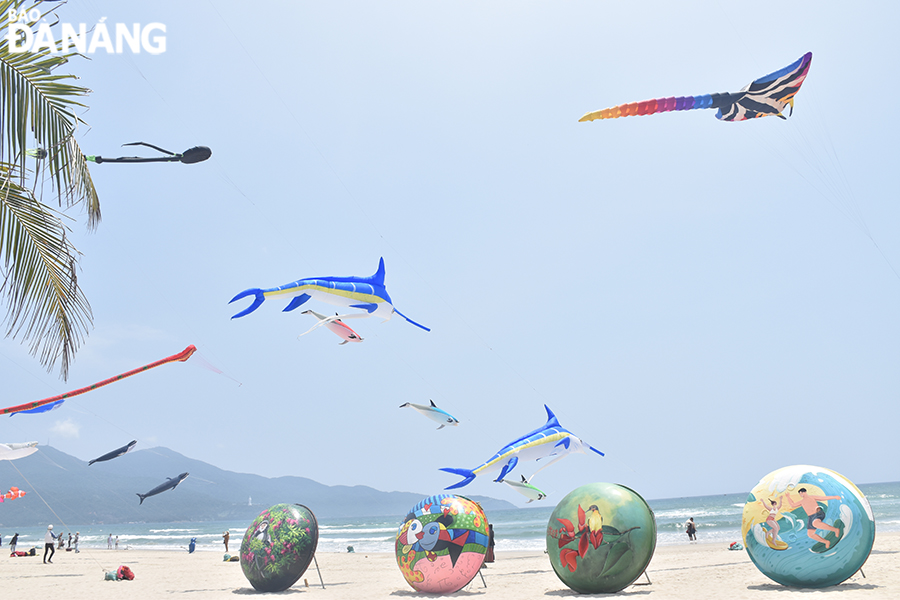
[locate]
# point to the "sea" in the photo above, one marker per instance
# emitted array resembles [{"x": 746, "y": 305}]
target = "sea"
[{"x": 521, "y": 529}]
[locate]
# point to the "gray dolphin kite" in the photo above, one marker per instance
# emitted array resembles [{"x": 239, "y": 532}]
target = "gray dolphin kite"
[
  {"x": 115, "y": 453},
  {"x": 170, "y": 484}
]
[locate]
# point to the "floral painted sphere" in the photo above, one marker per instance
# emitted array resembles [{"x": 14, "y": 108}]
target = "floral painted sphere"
[
  {"x": 807, "y": 527},
  {"x": 442, "y": 543},
  {"x": 600, "y": 538},
  {"x": 278, "y": 547}
]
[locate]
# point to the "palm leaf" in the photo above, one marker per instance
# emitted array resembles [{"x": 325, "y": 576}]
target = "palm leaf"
[
  {"x": 37, "y": 265},
  {"x": 38, "y": 107}
]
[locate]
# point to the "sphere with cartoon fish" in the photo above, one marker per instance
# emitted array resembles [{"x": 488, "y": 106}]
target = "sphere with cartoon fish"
[{"x": 442, "y": 543}]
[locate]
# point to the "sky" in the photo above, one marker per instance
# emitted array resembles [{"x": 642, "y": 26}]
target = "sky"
[{"x": 703, "y": 301}]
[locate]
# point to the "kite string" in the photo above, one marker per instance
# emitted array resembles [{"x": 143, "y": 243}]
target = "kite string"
[{"x": 58, "y": 518}]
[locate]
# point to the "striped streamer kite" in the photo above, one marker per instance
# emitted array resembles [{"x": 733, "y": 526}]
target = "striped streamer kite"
[{"x": 768, "y": 95}]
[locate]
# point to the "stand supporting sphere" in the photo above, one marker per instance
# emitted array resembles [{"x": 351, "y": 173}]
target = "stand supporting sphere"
[
  {"x": 807, "y": 527},
  {"x": 278, "y": 547},
  {"x": 442, "y": 543},
  {"x": 600, "y": 538}
]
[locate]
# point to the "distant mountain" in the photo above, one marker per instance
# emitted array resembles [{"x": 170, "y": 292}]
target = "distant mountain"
[{"x": 63, "y": 488}]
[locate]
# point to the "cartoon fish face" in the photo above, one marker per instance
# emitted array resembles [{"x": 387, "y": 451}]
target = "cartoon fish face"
[{"x": 414, "y": 532}]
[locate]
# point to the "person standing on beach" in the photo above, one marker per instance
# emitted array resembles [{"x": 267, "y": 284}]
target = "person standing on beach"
[
  {"x": 117, "y": 542},
  {"x": 815, "y": 515},
  {"x": 109, "y": 542},
  {"x": 225, "y": 538},
  {"x": 48, "y": 544},
  {"x": 691, "y": 530},
  {"x": 76, "y": 543},
  {"x": 62, "y": 542},
  {"x": 12, "y": 543}
]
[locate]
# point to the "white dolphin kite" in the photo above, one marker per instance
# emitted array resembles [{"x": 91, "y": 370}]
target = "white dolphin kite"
[
  {"x": 434, "y": 413},
  {"x": 335, "y": 325},
  {"x": 526, "y": 489}
]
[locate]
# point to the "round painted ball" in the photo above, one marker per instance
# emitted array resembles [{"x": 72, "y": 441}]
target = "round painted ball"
[
  {"x": 442, "y": 543},
  {"x": 601, "y": 538},
  {"x": 807, "y": 527},
  {"x": 278, "y": 547}
]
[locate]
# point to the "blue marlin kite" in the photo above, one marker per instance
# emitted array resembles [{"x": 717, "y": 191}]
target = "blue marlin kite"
[
  {"x": 550, "y": 440},
  {"x": 366, "y": 293}
]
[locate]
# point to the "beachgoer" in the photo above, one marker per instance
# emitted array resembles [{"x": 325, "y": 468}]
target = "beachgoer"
[
  {"x": 76, "y": 542},
  {"x": 814, "y": 514},
  {"x": 489, "y": 555},
  {"x": 69, "y": 543},
  {"x": 48, "y": 544},
  {"x": 691, "y": 530},
  {"x": 61, "y": 541},
  {"x": 117, "y": 542},
  {"x": 12, "y": 543},
  {"x": 109, "y": 542},
  {"x": 225, "y": 537}
]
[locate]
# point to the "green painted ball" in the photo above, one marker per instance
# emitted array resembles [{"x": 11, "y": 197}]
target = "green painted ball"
[
  {"x": 278, "y": 547},
  {"x": 601, "y": 538}
]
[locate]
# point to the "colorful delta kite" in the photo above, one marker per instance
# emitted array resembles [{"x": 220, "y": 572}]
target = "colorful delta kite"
[
  {"x": 434, "y": 413},
  {"x": 55, "y": 401},
  {"x": 13, "y": 451},
  {"x": 366, "y": 293},
  {"x": 550, "y": 440},
  {"x": 768, "y": 95},
  {"x": 335, "y": 325}
]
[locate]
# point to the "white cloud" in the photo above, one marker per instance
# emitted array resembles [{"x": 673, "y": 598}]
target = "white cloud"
[{"x": 66, "y": 429}]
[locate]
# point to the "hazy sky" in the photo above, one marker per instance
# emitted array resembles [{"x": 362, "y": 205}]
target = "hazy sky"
[{"x": 704, "y": 301}]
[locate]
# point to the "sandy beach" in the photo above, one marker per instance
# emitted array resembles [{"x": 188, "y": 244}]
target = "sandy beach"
[{"x": 694, "y": 571}]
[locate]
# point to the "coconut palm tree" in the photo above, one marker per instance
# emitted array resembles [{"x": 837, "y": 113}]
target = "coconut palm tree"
[{"x": 45, "y": 307}]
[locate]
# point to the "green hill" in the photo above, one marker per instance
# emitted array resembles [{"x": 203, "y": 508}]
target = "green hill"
[{"x": 62, "y": 487}]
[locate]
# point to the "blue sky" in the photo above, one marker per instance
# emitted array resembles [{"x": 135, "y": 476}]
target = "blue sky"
[{"x": 703, "y": 301}]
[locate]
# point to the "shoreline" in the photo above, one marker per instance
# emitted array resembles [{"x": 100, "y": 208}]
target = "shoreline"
[{"x": 703, "y": 571}]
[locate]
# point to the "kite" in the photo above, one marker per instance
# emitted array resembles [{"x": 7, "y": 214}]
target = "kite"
[
  {"x": 526, "y": 489},
  {"x": 434, "y": 413},
  {"x": 169, "y": 484},
  {"x": 54, "y": 402},
  {"x": 768, "y": 95},
  {"x": 549, "y": 440},
  {"x": 188, "y": 157},
  {"x": 335, "y": 325},
  {"x": 366, "y": 293},
  {"x": 115, "y": 453},
  {"x": 12, "y": 451},
  {"x": 13, "y": 494}
]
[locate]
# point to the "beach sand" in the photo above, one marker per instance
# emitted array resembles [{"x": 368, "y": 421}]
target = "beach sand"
[{"x": 695, "y": 571}]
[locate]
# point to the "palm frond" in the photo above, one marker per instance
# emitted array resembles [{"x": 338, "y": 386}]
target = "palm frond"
[
  {"x": 38, "y": 107},
  {"x": 38, "y": 271}
]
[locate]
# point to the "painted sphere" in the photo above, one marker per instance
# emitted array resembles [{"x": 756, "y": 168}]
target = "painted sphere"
[
  {"x": 442, "y": 543},
  {"x": 278, "y": 547},
  {"x": 807, "y": 527},
  {"x": 600, "y": 538}
]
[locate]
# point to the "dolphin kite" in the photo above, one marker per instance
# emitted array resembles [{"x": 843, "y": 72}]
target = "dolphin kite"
[
  {"x": 115, "y": 453},
  {"x": 526, "y": 489},
  {"x": 550, "y": 440},
  {"x": 367, "y": 293},
  {"x": 335, "y": 325},
  {"x": 434, "y": 413},
  {"x": 170, "y": 484}
]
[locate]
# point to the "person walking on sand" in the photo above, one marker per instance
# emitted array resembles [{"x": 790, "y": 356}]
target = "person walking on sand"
[
  {"x": 225, "y": 537},
  {"x": 815, "y": 516},
  {"x": 691, "y": 530},
  {"x": 76, "y": 542},
  {"x": 12, "y": 543},
  {"x": 48, "y": 544}
]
